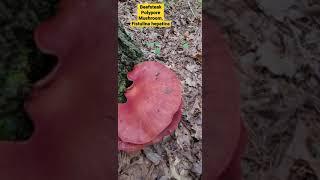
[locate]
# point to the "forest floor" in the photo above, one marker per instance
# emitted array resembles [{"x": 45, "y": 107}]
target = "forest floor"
[
  {"x": 276, "y": 50},
  {"x": 180, "y": 48}
]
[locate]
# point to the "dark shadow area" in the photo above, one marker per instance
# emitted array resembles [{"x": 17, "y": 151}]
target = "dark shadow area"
[{"x": 21, "y": 62}]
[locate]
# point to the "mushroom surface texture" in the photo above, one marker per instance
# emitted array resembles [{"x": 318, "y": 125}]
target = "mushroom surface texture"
[{"x": 153, "y": 107}]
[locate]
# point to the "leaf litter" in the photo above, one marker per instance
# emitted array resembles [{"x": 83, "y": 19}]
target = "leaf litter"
[
  {"x": 178, "y": 156},
  {"x": 276, "y": 50}
]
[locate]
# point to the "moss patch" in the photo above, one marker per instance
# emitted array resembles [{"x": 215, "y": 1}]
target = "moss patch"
[{"x": 128, "y": 56}]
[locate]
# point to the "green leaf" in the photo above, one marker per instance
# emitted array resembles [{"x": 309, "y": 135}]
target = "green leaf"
[
  {"x": 185, "y": 45},
  {"x": 150, "y": 44},
  {"x": 157, "y": 44},
  {"x": 157, "y": 51}
]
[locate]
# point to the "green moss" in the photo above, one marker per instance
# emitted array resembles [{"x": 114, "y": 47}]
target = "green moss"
[{"x": 128, "y": 56}]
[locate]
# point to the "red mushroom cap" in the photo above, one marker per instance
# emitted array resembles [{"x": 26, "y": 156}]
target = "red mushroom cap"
[
  {"x": 152, "y": 101},
  {"x": 130, "y": 147}
]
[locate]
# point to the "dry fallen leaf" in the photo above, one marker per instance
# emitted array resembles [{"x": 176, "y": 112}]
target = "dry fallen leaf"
[{"x": 198, "y": 57}]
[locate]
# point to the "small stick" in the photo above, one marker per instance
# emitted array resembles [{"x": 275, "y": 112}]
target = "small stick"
[{"x": 191, "y": 8}]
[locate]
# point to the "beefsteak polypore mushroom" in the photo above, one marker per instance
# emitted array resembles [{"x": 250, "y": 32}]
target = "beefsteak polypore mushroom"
[
  {"x": 153, "y": 107},
  {"x": 72, "y": 109}
]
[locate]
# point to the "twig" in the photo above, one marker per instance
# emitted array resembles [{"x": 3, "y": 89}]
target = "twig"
[{"x": 191, "y": 8}]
